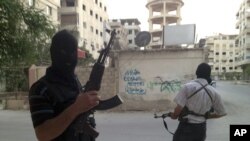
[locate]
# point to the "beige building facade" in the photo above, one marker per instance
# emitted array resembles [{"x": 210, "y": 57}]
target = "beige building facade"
[
  {"x": 126, "y": 29},
  {"x": 161, "y": 13},
  {"x": 48, "y": 7},
  {"x": 86, "y": 19},
  {"x": 121, "y": 41},
  {"x": 223, "y": 54},
  {"x": 243, "y": 39}
]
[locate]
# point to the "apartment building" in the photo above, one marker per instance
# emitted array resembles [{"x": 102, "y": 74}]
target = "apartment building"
[
  {"x": 48, "y": 7},
  {"x": 86, "y": 19},
  {"x": 243, "y": 39},
  {"x": 121, "y": 41},
  {"x": 222, "y": 54},
  {"x": 161, "y": 13},
  {"x": 133, "y": 27},
  {"x": 127, "y": 30}
]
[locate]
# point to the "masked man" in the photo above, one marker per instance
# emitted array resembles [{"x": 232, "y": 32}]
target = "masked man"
[
  {"x": 55, "y": 99},
  {"x": 195, "y": 103}
]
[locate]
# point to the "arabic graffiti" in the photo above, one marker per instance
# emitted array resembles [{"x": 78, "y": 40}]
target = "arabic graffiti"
[
  {"x": 135, "y": 84},
  {"x": 164, "y": 86}
]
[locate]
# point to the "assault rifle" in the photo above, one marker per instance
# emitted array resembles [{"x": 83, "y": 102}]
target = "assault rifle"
[
  {"x": 94, "y": 83},
  {"x": 163, "y": 116}
]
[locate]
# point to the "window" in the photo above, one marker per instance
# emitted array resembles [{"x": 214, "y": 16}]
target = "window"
[
  {"x": 96, "y": 31},
  {"x": 231, "y": 60},
  {"x": 216, "y": 68},
  {"x": 224, "y": 53},
  {"x": 230, "y": 68},
  {"x": 100, "y": 4},
  {"x": 91, "y": 12},
  {"x": 83, "y": 7},
  {"x": 217, "y": 53},
  {"x": 100, "y": 19},
  {"x": 49, "y": 10},
  {"x": 91, "y": 28},
  {"x": 96, "y": 16},
  {"x": 130, "y": 31},
  {"x": 96, "y": 1},
  {"x": 84, "y": 25},
  {"x": 92, "y": 47},
  {"x": 70, "y": 3},
  {"x": 130, "y": 41},
  {"x": 31, "y": 2},
  {"x": 105, "y": 9}
]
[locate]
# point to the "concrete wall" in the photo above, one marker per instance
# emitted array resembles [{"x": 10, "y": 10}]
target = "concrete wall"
[
  {"x": 145, "y": 80},
  {"x": 150, "y": 79}
]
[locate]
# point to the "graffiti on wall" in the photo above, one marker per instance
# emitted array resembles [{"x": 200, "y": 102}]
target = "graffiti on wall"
[
  {"x": 171, "y": 86},
  {"x": 135, "y": 84}
]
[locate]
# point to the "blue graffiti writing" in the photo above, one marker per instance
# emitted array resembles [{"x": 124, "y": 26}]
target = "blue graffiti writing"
[
  {"x": 135, "y": 84},
  {"x": 132, "y": 78},
  {"x": 135, "y": 90}
]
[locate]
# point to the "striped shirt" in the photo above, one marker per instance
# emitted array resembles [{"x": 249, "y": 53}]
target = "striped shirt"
[
  {"x": 40, "y": 106},
  {"x": 200, "y": 103}
]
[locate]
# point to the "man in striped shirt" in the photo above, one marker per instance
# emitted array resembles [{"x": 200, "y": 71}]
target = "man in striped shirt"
[
  {"x": 55, "y": 99},
  {"x": 194, "y": 103}
]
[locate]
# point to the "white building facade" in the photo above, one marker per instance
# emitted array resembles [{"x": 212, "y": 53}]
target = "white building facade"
[
  {"x": 223, "y": 54},
  {"x": 243, "y": 39},
  {"x": 48, "y": 7},
  {"x": 127, "y": 30},
  {"x": 86, "y": 19},
  {"x": 161, "y": 13}
]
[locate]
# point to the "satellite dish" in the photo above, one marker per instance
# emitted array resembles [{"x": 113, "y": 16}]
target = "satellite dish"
[{"x": 142, "y": 38}]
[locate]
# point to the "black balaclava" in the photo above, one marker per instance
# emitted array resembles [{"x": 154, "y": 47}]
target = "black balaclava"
[
  {"x": 64, "y": 53},
  {"x": 204, "y": 71}
]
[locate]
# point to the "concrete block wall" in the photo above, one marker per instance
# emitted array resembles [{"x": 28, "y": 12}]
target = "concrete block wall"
[{"x": 145, "y": 80}]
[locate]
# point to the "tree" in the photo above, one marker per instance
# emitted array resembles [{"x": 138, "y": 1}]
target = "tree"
[
  {"x": 247, "y": 70},
  {"x": 25, "y": 32}
]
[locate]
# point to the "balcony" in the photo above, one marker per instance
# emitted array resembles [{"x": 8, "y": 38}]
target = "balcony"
[
  {"x": 157, "y": 33},
  {"x": 172, "y": 5},
  {"x": 169, "y": 19},
  {"x": 210, "y": 56},
  {"x": 247, "y": 45},
  {"x": 210, "y": 63},
  {"x": 68, "y": 10}
]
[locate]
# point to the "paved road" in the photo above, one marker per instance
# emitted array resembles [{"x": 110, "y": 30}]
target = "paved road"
[{"x": 140, "y": 126}]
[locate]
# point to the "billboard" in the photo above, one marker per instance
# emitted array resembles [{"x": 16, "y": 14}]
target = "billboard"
[{"x": 179, "y": 34}]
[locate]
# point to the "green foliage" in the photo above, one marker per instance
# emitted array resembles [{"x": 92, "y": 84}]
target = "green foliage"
[
  {"x": 233, "y": 75},
  {"x": 25, "y": 32},
  {"x": 247, "y": 70}
]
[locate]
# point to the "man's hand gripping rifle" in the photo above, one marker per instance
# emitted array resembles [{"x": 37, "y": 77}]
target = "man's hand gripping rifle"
[{"x": 94, "y": 83}]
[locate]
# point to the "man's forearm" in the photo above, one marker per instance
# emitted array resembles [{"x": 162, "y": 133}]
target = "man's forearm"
[
  {"x": 52, "y": 128},
  {"x": 215, "y": 116}
]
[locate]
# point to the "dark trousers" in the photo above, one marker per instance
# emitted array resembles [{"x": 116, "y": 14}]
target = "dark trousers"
[{"x": 190, "y": 132}]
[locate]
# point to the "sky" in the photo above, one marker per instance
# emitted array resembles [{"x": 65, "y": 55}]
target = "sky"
[{"x": 210, "y": 16}]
